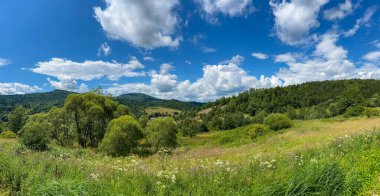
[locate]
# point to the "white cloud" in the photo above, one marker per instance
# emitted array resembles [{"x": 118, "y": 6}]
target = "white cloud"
[
  {"x": 231, "y": 8},
  {"x": 88, "y": 70},
  {"x": 4, "y": 62},
  {"x": 223, "y": 79},
  {"x": 143, "y": 23},
  {"x": 372, "y": 56},
  {"x": 328, "y": 62},
  {"x": 17, "y": 88},
  {"x": 295, "y": 19},
  {"x": 148, "y": 58},
  {"x": 260, "y": 55},
  {"x": 341, "y": 11},
  {"x": 364, "y": 20},
  {"x": 104, "y": 49},
  {"x": 286, "y": 58},
  {"x": 68, "y": 84}
]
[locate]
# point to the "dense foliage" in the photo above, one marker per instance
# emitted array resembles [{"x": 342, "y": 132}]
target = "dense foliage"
[
  {"x": 277, "y": 121},
  {"x": 17, "y": 118},
  {"x": 122, "y": 136},
  {"x": 35, "y": 136},
  {"x": 304, "y": 101},
  {"x": 36, "y": 102},
  {"x": 91, "y": 113},
  {"x": 162, "y": 134}
]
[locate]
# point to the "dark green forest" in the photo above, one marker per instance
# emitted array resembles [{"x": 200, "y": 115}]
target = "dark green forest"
[
  {"x": 304, "y": 101},
  {"x": 42, "y": 102}
]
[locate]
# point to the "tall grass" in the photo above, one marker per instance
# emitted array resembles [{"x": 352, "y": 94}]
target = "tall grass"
[{"x": 349, "y": 165}]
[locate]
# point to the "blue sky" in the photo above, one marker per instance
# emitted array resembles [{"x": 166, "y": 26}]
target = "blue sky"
[{"x": 188, "y": 50}]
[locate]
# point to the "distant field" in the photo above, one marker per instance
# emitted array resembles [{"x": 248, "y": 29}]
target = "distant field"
[
  {"x": 161, "y": 110},
  {"x": 333, "y": 157}
]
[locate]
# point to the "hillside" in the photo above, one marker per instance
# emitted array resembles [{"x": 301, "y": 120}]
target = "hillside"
[
  {"x": 304, "y": 101},
  {"x": 138, "y": 102},
  {"x": 42, "y": 102},
  {"x": 36, "y": 102}
]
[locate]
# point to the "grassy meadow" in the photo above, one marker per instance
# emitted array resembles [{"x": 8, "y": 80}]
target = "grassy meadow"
[{"x": 323, "y": 157}]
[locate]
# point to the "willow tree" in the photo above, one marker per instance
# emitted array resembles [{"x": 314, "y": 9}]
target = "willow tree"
[{"x": 91, "y": 113}]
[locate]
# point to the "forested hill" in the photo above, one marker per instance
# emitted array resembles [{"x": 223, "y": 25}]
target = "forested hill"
[
  {"x": 36, "y": 102},
  {"x": 138, "y": 102},
  {"x": 316, "y": 98},
  {"x": 42, "y": 102}
]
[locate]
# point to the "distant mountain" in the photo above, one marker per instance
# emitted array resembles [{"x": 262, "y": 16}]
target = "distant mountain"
[
  {"x": 42, "y": 102},
  {"x": 36, "y": 102},
  {"x": 138, "y": 102}
]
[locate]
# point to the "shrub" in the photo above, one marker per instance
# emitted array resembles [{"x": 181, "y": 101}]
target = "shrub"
[
  {"x": 259, "y": 117},
  {"x": 8, "y": 135},
  {"x": 162, "y": 133},
  {"x": 190, "y": 127},
  {"x": 34, "y": 135},
  {"x": 257, "y": 130},
  {"x": 370, "y": 113},
  {"x": 354, "y": 111},
  {"x": 121, "y": 137},
  {"x": 278, "y": 121}
]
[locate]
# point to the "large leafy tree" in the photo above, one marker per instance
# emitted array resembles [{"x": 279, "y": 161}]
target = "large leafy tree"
[
  {"x": 61, "y": 125},
  {"x": 17, "y": 118},
  {"x": 91, "y": 113},
  {"x": 162, "y": 133},
  {"x": 122, "y": 136}
]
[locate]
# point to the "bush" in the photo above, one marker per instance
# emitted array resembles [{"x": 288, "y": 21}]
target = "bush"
[
  {"x": 190, "y": 127},
  {"x": 354, "y": 111},
  {"x": 162, "y": 133},
  {"x": 34, "y": 135},
  {"x": 370, "y": 113},
  {"x": 278, "y": 121},
  {"x": 121, "y": 137},
  {"x": 8, "y": 135},
  {"x": 257, "y": 130}
]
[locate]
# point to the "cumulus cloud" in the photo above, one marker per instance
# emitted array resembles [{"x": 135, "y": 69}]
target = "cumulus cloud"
[
  {"x": 4, "y": 62},
  {"x": 231, "y": 8},
  {"x": 372, "y": 56},
  {"x": 328, "y": 62},
  {"x": 286, "y": 58},
  {"x": 260, "y": 55},
  {"x": 104, "y": 49},
  {"x": 89, "y": 70},
  {"x": 143, "y": 23},
  {"x": 339, "y": 12},
  {"x": 68, "y": 84},
  {"x": 295, "y": 19},
  {"x": 17, "y": 88},
  {"x": 364, "y": 20},
  {"x": 223, "y": 79}
]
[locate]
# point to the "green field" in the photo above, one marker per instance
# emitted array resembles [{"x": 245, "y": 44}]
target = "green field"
[
  {"x": 161, "y": 110},
  {"x": 326, "y": 157}
]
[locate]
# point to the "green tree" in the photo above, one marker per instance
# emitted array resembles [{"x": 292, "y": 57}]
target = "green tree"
[
  {"x": 91, "y": 113},
  {"x": 122, "y": 136},
  {"x": 35, "y": 135},
  {"x": 17, "y": 118},
  {"x": 61, "y": 123},
  {"x": 278, "y": 121},
  {"x": 162, "y": 133}
]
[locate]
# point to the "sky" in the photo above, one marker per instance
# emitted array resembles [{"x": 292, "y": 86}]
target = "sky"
[{"x": 193, "y": 50}]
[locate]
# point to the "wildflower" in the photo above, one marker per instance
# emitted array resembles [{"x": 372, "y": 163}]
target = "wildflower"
[{"x": 160, "y": 173}]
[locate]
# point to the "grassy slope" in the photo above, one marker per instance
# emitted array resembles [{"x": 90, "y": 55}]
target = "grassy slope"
[{"x": 205, "y": 165}]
